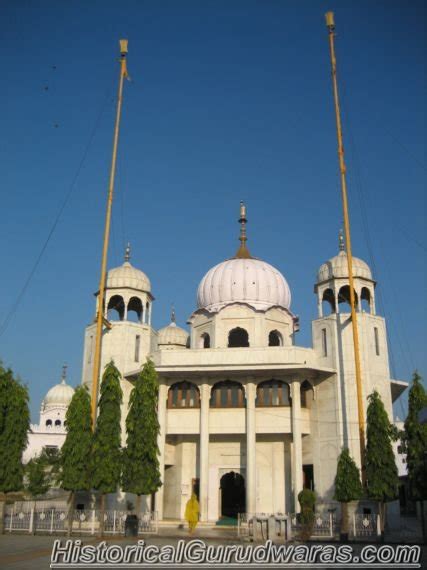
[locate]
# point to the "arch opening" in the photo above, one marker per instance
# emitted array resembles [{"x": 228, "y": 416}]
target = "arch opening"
[
  {"x": 307, "y": 395},
  {"x": 135, "y": 310},
  {"x": 344, "y": 299},
  {"x": 205, "y": 341},
  {"x": 227, "y": 394},
  {"x": 48, "y": 423},
  {"x": 238, "y": 338},
  {"x": 116, "y": 308},
  {"x": 183, "y": 395},
  {"x": 275, "y": 338},
  {"x": 328, "y": 302},
  {"x": 365, "y": 300},
  {"x": 233, "y": 495},
  {"x": 272, "y": 393}
]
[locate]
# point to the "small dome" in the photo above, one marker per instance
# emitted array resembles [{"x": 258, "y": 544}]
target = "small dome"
[
  {"x": 243, "y": 280},
  {"x": 58, "y": 395},
  {"x": 172, "y": 335},
  {"x": 128, "y": 276},
  {"x": 337, "y": 268}
]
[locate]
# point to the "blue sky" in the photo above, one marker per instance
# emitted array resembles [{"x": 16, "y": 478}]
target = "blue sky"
[{"x": 229, "y": 100}]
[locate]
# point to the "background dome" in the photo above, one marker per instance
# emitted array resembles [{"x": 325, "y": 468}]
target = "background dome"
[
  {"x": 243, "y": 280},
  {"x": 128, "y": 276},
  {"x": 59, "y": 395},
  {"x": 173, "y": 335},
  {"x": 337, "y": 268}
]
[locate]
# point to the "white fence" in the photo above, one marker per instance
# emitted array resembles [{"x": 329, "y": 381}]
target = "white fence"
[
  {"x": 25, "y": 518},
  {"x": 325, "y": 525}
]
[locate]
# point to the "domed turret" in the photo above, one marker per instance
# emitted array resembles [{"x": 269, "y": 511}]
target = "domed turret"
[
  {"x": 243, "y": 279},
  {"x": 332, "y": 283},
  {"x": 127, "y": 276},
  {"x": 59, "y": 395},
  {"x": 172, "y": 336}
]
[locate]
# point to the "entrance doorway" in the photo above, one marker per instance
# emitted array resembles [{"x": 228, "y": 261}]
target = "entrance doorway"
[{"x": 233, "y": 494}]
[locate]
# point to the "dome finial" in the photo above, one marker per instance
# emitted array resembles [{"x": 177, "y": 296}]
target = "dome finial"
[
  {"x": 341, "y": 244},
  {"x": 173, "y": 316},
  {"x": 64, "y": 374},
  {"x": 243, "y": 251},
  {"x": 127, "y": 253}
]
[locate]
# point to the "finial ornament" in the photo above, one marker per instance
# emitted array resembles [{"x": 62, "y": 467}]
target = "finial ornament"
[
  {"x": 173, "y": 316},
  {"x": 127, "y": 253},
  {"x": 243, "y": 251},
  {"x": 64, "y": 374},
  {"x": 341, "y": 240}
]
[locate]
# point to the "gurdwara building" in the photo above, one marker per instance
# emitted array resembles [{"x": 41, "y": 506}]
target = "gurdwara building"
[{"x": 247, "y": 417}]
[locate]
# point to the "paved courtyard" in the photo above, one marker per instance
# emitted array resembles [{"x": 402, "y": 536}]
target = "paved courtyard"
[{"x": 28, "y": 552}]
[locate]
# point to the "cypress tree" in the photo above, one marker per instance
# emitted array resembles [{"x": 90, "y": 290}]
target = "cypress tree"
[
  {"x": 14, "y": 426},
  {"x": 75, "y": 457},
  {"x": 381, "y": 471},
  {"x": 141, "y": 473},
  {"x": 348, "y": 487},
  {"x": 107, "y": 455},
  {"x": 415, "y": 442}
]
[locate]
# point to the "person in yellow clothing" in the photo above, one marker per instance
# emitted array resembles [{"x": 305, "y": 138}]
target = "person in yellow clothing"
[{"x": 192, "y": 513}]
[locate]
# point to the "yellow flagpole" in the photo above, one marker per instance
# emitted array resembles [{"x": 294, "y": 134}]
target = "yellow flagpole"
[
  {"x": 101, "y": 293},
  {"x": 331, "y": 29}
]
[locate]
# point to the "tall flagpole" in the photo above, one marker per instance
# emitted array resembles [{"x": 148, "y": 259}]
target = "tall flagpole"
[
  {"x": 331, "y": 29},
  {"x": 101, "y": 293}
]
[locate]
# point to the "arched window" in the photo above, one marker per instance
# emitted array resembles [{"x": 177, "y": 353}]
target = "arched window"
[
  {"x": 272, "y": 393},
  {"x": 328, "y": 302},
  {"x": 238, "y": 337},
  {"x": 344, "y": 298},
  {"x": 135, "y": 310},
  {"x": 48, "y": 423},
  {"x": 307, "y": 394},
  {"x": 57, "y": 422},
  {"x": 183, "y": 395},
  {"x": 275, "y": 339},
  {"x": 205, "y": 341},
  {"x": 227, "y": 394},
  {"x": 116, "y": 308},
  {"x": 365, "y": 299}
]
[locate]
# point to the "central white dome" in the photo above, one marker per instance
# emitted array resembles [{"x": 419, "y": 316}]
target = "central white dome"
[{"x": 243, "y": 280}]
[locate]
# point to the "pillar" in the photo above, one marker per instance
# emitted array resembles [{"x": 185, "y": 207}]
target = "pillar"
[
  {"x": 161, "y": 442},
  {"x": 297, "y": 481},
  {"x": 204, "y": 450},
  {"x": 250, "y": 449}
]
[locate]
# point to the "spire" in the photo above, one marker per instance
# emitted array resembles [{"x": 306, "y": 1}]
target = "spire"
[
  {"x": 127, "y": 253},
  {"x": 173, "y": 316},
  {"x": 64, "y": 374},
  {"x": 243, "y": 252},
  {"x": 341, "y": 244}
]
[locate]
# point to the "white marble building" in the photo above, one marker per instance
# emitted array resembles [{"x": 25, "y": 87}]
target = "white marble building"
[
  {"x": 50, "y": 431},
  {"x": 247, "y": 416}
]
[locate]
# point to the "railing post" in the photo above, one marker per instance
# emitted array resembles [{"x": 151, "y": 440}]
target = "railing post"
[
  {"x": 51, "y": 521},
  {"x": 93, "y": 522},
  {"x": 114, "y": 522},
  {"x": 331, "y": 525},
  {"x": 354, "y": 524},
  {"x": 30, "y": 526},
  {"x": 11, "y": 518},
  {"x": 378, "y": 525}
]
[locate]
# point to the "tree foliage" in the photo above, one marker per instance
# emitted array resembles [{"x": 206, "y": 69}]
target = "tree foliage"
[
  {"x": 40, "y": 474},
  {"x": 14, "y": 426},
  {"x": 141, "y": 473},
  {"x": 415, "y": 441},
  {"x": 381, "y": 471},
  {"x": 75, "y": 457},
  {"x": 348, "y": 486},
  {"x": 106, "y": 454}
]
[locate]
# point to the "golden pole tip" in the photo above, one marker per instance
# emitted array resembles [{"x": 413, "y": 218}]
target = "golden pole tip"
[
  {"x": 329, "y": 16},
  {"x": 123, "y": 46}
]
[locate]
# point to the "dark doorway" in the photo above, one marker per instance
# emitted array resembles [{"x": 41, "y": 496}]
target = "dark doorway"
[
  {"x": 195, "y": 487},
  {"x": 233, "y": 494},
  {"x": 308, "y": 475},
  {"x": 237, "y": 338}
]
